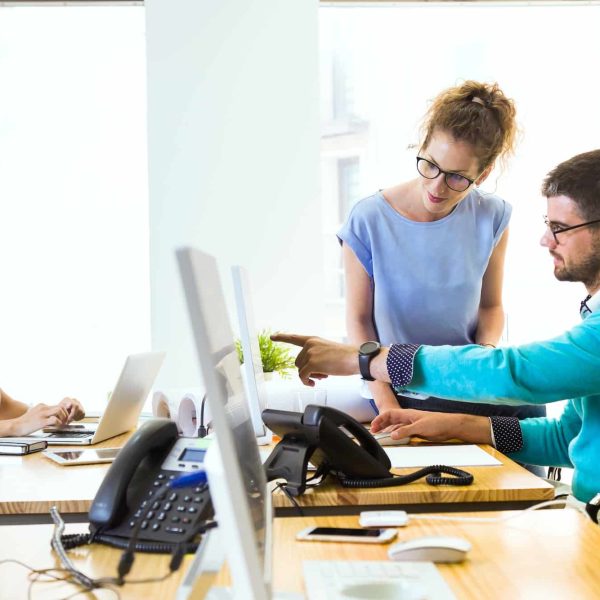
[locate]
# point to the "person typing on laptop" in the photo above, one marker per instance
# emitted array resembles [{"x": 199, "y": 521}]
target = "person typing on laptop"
[{"x": 18, "y": 419}]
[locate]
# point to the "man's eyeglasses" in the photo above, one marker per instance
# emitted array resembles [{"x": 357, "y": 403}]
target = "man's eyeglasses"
[
  {"x": 555, "y": 229},
  {"x": 429, "y": 170}
]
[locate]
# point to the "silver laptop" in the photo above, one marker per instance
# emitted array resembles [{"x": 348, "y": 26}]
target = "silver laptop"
[
  {"x": 123, "y": 409},
  {"x": 238, "y": 485}
]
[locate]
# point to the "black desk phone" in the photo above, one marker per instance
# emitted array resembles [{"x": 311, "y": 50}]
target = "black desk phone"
[
  {"x": 336, "y": 443},
  {"x": 133, "y": 499}
]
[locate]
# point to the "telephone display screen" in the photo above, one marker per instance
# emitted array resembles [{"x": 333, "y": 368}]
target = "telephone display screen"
[{"x": 193, "y": 455}]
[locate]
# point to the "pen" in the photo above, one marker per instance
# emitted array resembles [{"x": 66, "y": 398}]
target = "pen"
[
  {"x": 195, "y": 478},
  {"x": 374, "y": 406}
]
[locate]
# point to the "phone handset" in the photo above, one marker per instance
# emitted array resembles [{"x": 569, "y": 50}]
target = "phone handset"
[
  {"x": 336, "y": 443},
  {"x": 345, "y": 422},
  {"x": 110, "y": 503},
  {"x": 331, "y": 440}
]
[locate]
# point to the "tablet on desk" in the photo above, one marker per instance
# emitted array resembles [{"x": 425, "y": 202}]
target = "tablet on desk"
[{"x": 68, "y": 458}]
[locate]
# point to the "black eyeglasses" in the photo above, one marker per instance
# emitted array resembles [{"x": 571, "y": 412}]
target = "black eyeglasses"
[
  {"x": 555, "y": 229},
  {"x": 429, "y": 170}
]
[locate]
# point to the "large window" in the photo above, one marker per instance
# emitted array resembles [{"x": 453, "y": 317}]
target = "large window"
[
  {"x": 381, "y": 64},
  {"x": 74, "y": 237}
]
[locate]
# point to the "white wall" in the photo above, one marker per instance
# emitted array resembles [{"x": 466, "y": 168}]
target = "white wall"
[{"x": 233, "y": 134}]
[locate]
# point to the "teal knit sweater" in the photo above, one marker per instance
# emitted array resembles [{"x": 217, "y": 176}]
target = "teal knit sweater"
[{"x": 565, "y": 367}]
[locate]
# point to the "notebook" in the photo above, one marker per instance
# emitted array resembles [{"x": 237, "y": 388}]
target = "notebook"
[
  {"x": 236, "y": 477},
  {"x": 122, "y": 411}
]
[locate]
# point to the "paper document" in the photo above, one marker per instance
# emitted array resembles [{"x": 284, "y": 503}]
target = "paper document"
[{"x": 454, "y": 455}]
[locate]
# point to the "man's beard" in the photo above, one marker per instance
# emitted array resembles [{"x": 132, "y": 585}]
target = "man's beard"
[{"x": 586, "y": 270}]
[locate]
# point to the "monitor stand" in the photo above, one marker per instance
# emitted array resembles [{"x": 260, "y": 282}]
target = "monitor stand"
[{"x": 203, "y": 569}]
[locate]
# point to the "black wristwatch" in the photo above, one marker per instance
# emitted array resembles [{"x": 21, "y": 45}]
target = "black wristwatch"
[
  {"x": 593, "y": 507},
  {"x": 366, "y": 353}
]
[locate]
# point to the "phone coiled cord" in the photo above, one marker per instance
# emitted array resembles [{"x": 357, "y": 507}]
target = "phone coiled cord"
[
  {"x": 142, "y": 546},
  {"x": 73, "y": 540},
  {"x": 432, "y": 474}
]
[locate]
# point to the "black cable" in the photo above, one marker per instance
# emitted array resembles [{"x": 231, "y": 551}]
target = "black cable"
[
  {"x": 73, "y": 540},
  {"x": 202, "y": 429},
  {"x": 127, "y": 558},
  {"x": 283, "y": 488},
  {"x": 318, "y": 478},
  {"x": 432, "y": 473},
  {"x": 89, "y": 583},
  {"x": 145, "y": 546}
]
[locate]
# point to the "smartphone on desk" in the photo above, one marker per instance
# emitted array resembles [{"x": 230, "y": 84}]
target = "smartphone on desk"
[
  {"x": 68, "y": 458},
  {"x": 347, "y": 534}
]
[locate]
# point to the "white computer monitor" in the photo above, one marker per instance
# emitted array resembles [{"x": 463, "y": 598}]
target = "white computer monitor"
[
  {"x": 252, "y": 366},
  {"x": 236, "y": 476}
]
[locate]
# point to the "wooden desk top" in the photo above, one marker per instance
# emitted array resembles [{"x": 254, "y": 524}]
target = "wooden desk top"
[
  {"x": 541, "y": 554},
  {"x": 31, "y": 484},
  {"x": 509, "y": 485}
]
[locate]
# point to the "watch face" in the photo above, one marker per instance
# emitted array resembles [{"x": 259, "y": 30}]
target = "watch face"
[{"x": 369, "y": 347}]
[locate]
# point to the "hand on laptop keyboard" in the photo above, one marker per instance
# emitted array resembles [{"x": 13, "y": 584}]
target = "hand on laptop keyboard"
[
  {"x": 74, "y": 409},
  {"x": 69, "y": 427},
  {"x": 37, "y": 417}
]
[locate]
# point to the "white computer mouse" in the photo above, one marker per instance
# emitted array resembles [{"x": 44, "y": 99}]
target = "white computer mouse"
[{"x": 438, "y": 549}]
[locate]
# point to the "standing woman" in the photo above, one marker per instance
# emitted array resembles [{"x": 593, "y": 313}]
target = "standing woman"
[{"x": 424, "y": 259}]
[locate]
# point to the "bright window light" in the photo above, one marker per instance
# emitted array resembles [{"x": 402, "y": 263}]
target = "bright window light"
[
  {"x": 73, "y": 190},
  {"x": 380, "y": 66}
]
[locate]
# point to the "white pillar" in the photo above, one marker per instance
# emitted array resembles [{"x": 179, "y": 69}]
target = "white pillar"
[{"x": 233, "y": 144}]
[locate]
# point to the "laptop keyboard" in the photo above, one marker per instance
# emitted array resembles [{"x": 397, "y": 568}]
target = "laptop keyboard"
[
  {"x": 70, "y": 434},
  {"x": 325, "y": 579}
]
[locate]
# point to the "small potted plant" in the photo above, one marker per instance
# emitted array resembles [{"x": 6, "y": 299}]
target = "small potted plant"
[{"x": 275, "y": 357}]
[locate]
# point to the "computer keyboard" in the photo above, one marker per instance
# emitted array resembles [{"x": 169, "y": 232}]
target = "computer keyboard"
[
  {"x": 331, "y": 579},
  {"x": 71, "y": 434}
]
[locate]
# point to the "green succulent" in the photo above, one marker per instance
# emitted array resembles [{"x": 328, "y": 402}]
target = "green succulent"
[{"x": 274, "y": 356}]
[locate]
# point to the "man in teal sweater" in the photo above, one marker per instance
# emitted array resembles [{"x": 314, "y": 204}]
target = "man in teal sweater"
[{"x": 567, "y": 366}]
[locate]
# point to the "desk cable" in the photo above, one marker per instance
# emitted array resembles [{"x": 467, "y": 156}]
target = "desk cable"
[
  {"x": 313, "y": 481},
  {"x": 82, "y": 579},
  {"x": 60, "y": 543},
  {"x": 432, "y": 474},
  {"x": 202, "y": 428},
  {"x": 178, "y": 550},
  {"x": 489, "y": 519}
]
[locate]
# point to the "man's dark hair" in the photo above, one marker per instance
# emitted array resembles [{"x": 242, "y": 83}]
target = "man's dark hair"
[{"x": 579, "y": 179}]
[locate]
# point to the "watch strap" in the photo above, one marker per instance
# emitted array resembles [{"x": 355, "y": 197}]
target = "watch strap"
[
  {"x": 364, "y": 364},
  {"x": 366, "y": 353}
]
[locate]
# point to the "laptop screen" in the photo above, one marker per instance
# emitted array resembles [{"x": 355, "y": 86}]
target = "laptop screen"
[{"x": 244, "y": 474}]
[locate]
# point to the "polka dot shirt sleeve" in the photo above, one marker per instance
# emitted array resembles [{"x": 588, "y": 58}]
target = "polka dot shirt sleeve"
[
  {"x": 399, "y": 363},
  {"x": 506, "y": 434}
]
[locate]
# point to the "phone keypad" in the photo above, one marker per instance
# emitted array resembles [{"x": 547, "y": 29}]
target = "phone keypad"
[{"x": 173, "y": 515}]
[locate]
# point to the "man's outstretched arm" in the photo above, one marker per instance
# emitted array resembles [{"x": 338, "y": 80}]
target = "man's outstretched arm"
[{"x": 567, "y": 366}]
